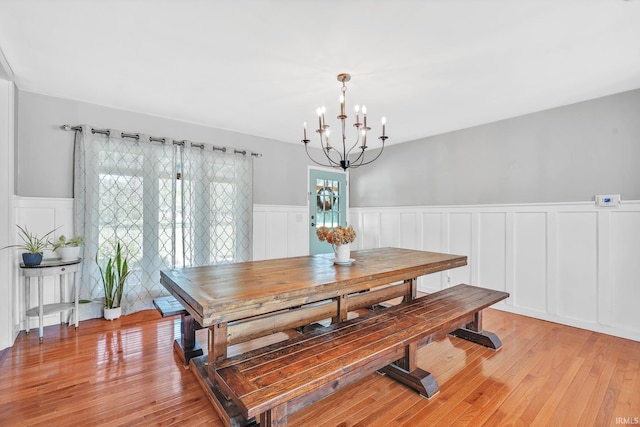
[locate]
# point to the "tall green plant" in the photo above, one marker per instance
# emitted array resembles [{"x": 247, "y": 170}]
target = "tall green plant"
[{"x": 114, "y": 275}]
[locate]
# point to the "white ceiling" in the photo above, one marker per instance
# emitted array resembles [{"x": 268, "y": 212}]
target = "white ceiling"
[{"x": 263, "y": 67}]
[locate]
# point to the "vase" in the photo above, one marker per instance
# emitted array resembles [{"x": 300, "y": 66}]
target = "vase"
[
  {"x": 31, "y": 260},
  {"x": 112, "y": 313},
  {"x": 343, "y": 252},
  {"x": 69, "y": 253}
]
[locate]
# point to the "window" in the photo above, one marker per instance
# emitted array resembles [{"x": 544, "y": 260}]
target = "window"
[{"x": 170, "y": 205}]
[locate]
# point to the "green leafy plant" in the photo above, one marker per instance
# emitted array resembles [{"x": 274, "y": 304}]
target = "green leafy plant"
[
  {"x": 114, "y": 275},
  {"x": 31, "y": 243},
  {"x": 62, "y": 242}
]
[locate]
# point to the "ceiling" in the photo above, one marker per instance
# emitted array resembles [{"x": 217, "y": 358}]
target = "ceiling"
[{"x": 263, "y": 67}]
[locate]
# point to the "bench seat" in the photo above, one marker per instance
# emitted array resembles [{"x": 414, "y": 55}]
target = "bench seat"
[
  {"x": 274, "y": 381},
  {"x": 169, "y": 306}
]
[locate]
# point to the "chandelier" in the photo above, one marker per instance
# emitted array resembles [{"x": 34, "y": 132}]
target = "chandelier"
[{"x": 335, "y": 157}]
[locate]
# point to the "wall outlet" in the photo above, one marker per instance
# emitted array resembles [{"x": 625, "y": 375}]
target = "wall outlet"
[{"x": 608, "y": 201}]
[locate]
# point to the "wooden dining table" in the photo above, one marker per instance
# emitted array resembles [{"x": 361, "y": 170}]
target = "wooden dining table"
[{"x": 242, "y": 301}]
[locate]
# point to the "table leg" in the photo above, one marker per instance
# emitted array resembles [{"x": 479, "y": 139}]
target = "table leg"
[
  {"x": 205, "y": 372},
  {"x": 27, "y": 294},
  {"x": 343, "y": 310},
  {"x": 76, "y": 311},
  {"x": 412, "y": 291},
  {"x": 62, "y": 279},
  {"x": 187, "y": 348},
  {"x": 40, "y": 309},
  {"x": 217, "y": 346}
]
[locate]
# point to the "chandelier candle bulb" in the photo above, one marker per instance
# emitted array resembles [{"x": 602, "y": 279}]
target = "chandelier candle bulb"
[
  {"x": 304, "y": 126},
  {"x": 342, "y": 105},
  {"x": 324, "y": 110},
  {"x": 319, "y": 111},
  {"x": 384, "y": 124},
  {"x": 357, "y": 108},
  {"x": 364, "y": 114}
]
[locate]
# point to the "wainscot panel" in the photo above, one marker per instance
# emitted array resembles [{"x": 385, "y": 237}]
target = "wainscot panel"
[
  {"x": 571, "y": 263},
  {"x": 280, "y": 231}
]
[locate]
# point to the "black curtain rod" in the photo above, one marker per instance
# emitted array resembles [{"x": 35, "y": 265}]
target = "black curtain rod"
[{"x": 136, "y": 136}]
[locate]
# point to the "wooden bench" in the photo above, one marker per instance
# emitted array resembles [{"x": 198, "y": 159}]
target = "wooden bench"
[
  {"x": 271, "y": 382},
  {"x": 187, "y": 348}
]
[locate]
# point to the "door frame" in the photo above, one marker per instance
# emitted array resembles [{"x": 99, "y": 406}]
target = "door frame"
[{"x": 311, "y": 198}]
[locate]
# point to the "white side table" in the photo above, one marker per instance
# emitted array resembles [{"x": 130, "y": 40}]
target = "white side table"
[{"x": 50, "y": 268}]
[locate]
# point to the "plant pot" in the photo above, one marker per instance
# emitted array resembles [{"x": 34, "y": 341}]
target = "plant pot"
[
  {"x": 31, "y": 260},
  {"x": 343, "y": 253},
  {"x": 69, "y": 253},
  {"x": 112, "y": 313}
]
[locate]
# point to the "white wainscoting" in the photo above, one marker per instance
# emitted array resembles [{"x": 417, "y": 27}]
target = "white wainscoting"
[
  {"x": 570, "y": 263},
  {"x": 280, "y": 231}
]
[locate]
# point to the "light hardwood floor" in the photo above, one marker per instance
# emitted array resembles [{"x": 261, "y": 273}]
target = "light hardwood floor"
[{"x": 124, "y": 373}]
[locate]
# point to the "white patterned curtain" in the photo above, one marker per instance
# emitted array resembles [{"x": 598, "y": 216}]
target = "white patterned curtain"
[
  {"x": 217, "y": 206},
  {"x": 168, "y": 204}
]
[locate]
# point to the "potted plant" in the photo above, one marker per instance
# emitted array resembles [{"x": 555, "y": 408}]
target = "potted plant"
[
  {"x": 113, "y": 276},
  {"x": 340, "y": 238},
  {"x": 32, "y": 245},
  {"x": 68, "y": 250}
]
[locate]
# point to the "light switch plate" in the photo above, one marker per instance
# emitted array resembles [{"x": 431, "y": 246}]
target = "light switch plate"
[{"x": 608, "y": 200}]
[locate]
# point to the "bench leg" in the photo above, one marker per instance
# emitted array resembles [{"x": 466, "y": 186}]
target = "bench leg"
[
  {"x": 473, "y": 332},
  {"x": 406, "y": 372},
  {"x": 276, "y": 417},
  {"x": 187, "y": 348},
  {"x": 485, "y": 338},
  {"x": 420, "y": 380}
]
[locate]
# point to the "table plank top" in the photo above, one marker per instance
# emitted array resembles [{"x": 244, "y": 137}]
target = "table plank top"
[{"x": 226, "y": 292}]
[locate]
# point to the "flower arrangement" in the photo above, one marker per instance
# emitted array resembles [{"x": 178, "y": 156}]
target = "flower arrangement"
[{"x": 337, "y": 236}]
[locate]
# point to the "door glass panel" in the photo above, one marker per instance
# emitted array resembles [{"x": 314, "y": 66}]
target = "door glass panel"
[
  {"x": 327, "y": 205},
  {"x": 328, "y": 200}
]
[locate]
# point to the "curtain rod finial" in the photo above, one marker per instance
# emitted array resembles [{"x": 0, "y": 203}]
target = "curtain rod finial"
[{"x": 65, "y": 127}]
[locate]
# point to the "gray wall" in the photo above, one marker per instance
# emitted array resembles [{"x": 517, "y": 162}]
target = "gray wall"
[
  {"x": 44, "y": 152},
  {"x": 564, "y": 154}
]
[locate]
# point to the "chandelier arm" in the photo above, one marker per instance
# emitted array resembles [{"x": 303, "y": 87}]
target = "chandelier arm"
[
  {"x": 323, "y": 147},
  {"x": 355, "y": 144},
  {"x": 326, "y": 152},
  {"x": 332, "y": 163},
  {"x": 344, "y": 141},
  {"x": 360, "y": 158},
  {"x": 372, "y": 160}
]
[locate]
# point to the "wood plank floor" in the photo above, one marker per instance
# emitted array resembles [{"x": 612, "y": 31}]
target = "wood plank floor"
[{"x": 124, "y": 373}]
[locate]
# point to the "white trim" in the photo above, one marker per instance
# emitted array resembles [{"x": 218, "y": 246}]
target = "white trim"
[
  {"x": 8, "y": 329},
  {"x": 5, "y": 68}
]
